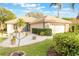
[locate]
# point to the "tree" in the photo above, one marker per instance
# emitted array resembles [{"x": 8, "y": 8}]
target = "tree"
[
  {"x": 5, "y": 15},
  {"x": 35, "y": 14},
  {"x": 68, "y": 18},
  {"x": 74, "y": 26},
  {"x": 58, "y": 9},
  {"x": 77, "y": 16},
  {"x": 38, "y": 16},
  {"x": 20, "y": 25},
  {"x": 72, "y": 6}
]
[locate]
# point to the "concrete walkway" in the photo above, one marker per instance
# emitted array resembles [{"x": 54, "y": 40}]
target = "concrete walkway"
[{"x": 24, "y": 40}]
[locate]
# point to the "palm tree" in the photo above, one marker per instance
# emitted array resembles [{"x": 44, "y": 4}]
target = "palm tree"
[
  {"x": 58, "y": 9},
  {"x": 72, "y": 6},
  {"x": 20, "y": 26},
  {"x": 77, "y": 16},
  {"x": 2, "y": 21},
  {"x": 5, "y": 15}
]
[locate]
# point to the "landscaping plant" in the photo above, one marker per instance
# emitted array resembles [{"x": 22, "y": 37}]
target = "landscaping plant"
[
  {"x": 13, "y": 40},
  {"x": 66, "y": 44},
  {"x": 42, "y": 31},
  {"x": 20, "y": 26}
]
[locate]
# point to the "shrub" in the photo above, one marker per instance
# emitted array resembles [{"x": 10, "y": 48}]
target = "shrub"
[
  {"x": 66, "y": 43},
  {"x": 42, "y": 33},
  {"x": 39, "y": 31}
]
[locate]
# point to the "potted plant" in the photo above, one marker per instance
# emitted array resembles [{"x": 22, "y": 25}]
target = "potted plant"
[
  {"x": 33, "y": 37},
  {"x": 13, "y": 40},
  {"x": 26, "y": 34}
]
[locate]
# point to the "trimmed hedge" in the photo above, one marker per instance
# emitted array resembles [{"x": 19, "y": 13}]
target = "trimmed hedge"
[
  {"x": 43, "y": 32},
  {"x": 66, "y": 44}
]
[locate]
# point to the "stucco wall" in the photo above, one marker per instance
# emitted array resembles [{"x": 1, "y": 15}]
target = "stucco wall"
[
  {"x": 40, "y": 25},
  {"x": 10, "y": 28},
  {"x": 56, "y": 28}
]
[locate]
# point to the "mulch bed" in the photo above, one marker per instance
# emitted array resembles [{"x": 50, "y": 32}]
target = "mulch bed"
[
  {"x": 17, "y": 53},
  {"x": 52, "y": 52}
]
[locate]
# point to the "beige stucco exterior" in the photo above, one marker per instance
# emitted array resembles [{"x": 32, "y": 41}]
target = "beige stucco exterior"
[
  {"x": 56, "y": 24},
  {"x": 56, "y": 28}
]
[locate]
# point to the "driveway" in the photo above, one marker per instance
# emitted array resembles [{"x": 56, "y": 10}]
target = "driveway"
[{"x": 25, "y": 40}]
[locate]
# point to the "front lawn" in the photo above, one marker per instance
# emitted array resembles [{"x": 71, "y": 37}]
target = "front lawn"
[
  {"x": 37, "y": 49},
  {"x": 2, "y": 39}
]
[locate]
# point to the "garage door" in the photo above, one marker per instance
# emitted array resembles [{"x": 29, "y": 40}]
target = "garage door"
[{"x": 58, "y": 28}]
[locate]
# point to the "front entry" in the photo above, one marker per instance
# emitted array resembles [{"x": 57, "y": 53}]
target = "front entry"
[{"x": 27, "y": 28}]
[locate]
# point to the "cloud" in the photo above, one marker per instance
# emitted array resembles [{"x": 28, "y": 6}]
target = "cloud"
[
  {"x": 27, "y": 11},
  {"x": 47, "y": 11},
  {"x": 40, "y": 7},
  {"x": 28, "y": 5},
  {"x": 66, "y": 9},
  {"x": 55, "y": 6}
]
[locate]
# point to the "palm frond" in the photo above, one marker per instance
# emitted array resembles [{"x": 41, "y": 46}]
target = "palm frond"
[
  {"x": 51, "y": 4},
  {"x": 73, "y": 6}
]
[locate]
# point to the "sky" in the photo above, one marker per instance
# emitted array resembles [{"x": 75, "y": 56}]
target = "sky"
[{"x": 20, "y": 9}]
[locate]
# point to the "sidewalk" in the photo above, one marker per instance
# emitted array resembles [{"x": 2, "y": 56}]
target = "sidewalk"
[{"x": 25, "y": 40}]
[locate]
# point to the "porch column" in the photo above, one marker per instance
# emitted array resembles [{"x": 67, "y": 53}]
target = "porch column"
[
  {"x": 30, "y": 28},
  {"x": 66, "y": 29},
  {"x": 10, "y": 28}
]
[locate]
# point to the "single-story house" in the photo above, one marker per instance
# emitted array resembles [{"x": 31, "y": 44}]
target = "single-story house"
[{"x": 56, "y": 24}]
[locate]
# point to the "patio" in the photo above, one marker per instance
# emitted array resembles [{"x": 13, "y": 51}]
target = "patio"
[{"x": 25, "y": 40}]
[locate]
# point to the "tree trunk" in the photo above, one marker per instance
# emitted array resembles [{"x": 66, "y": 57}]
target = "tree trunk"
[
  {"x": 2, "y": 27},
  {"x": 58, "y": 13},
  {"x": 43, "y": 22},
  {"x": 19, "y": 40}
]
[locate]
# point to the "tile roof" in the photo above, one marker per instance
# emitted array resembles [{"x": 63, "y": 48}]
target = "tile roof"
[{"x": 35, "y": 20}]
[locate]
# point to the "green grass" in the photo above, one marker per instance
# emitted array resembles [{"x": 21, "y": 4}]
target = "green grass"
[
  {"x": 37, "y": 49},
  {"x": 2, "y": 39}
]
